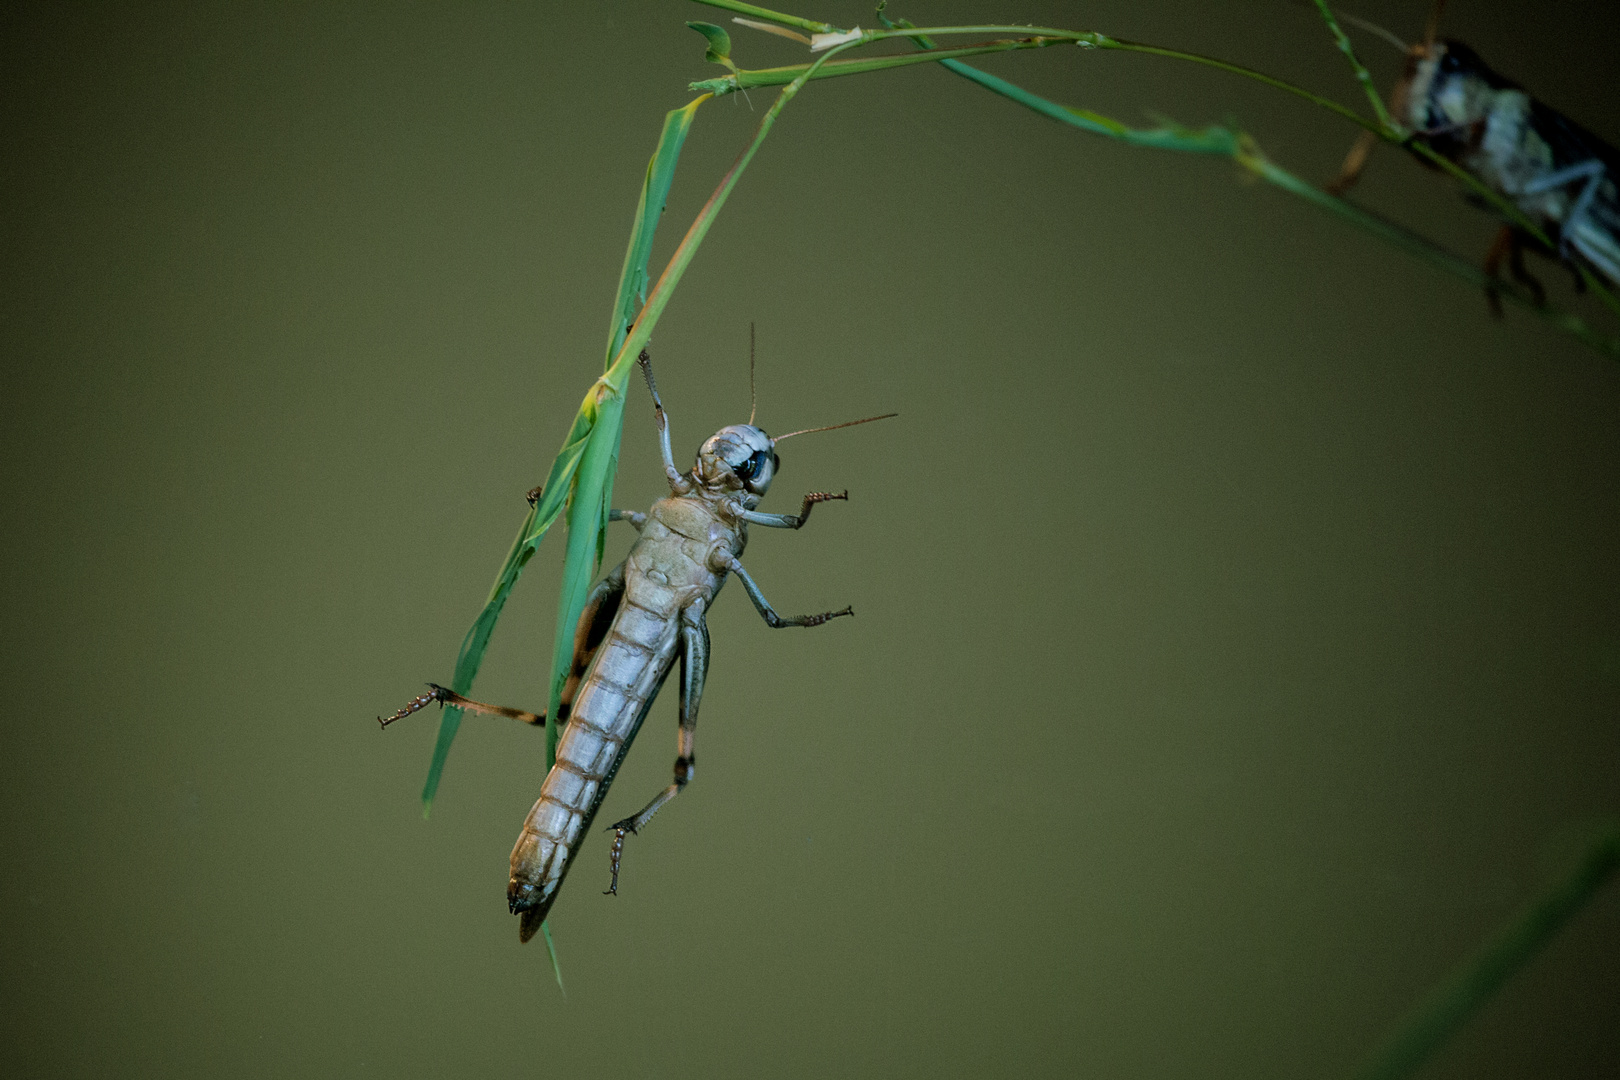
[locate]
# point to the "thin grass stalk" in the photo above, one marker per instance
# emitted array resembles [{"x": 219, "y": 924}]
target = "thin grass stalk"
[
  {"x": 746, "y": 79},
  {"x": 1356, "y": 67},
  {"x": 1029, "y": 37}
]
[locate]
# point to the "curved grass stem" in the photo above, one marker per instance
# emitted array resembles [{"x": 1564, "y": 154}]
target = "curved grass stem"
[{"x": 1029, "y": 37}]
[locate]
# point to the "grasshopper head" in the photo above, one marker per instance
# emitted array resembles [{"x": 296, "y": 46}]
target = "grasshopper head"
[
  {"x": 737, "y": 456},
  {"x": 1451, "y": 86}
]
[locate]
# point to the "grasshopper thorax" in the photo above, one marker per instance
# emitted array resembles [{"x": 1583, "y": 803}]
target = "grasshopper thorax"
[{"x": 738, "y": 456}]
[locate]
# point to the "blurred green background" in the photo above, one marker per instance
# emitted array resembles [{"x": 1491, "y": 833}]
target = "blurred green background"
[{"x": 1238, "y": 622}]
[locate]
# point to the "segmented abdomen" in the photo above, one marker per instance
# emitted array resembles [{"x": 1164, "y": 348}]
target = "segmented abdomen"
[{"x": 629, "y": 667}]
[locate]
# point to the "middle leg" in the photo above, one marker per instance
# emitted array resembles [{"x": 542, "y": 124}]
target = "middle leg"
[{"x": 768, "y": 613}]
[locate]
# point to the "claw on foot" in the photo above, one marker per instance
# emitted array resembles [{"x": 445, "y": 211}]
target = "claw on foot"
[
  {"x": 817, "y": 620},
  {"x": 620, "y": 831},
  {"x": 416, "y": 704}
]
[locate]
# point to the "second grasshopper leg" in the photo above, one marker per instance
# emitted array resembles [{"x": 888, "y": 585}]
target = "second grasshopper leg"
[{"x": 1354, "y": 162}]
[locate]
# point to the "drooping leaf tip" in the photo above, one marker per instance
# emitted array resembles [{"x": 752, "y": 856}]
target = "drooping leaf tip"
[
  {"x": 719, "y": 51},
  {"x": 551, "y": 951}
]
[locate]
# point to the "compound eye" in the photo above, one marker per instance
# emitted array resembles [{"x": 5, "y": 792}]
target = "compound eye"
[
  {"x": 759, "y": 462},
  {"x": 745, "y": 469}
]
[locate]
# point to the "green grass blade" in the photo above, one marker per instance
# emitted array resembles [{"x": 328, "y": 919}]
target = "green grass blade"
[
  {"x": 641, "y": 332},
  {"x": 719, "y": 50},
  {"x": 587, "y": 514},
  {"x": 1449, "y": 1006},
  {"x": 654, "y": 193},
  {"x": 472, "y": 651},
  {"x": 1029, "y": 37},
  {"x": 561, "y": 479},
  {"x": 551, "y": 950},
  {"x": 535, "y": 524},
  {"x": 773, "y": 16},
  {"x": 1210, "y": 140}
]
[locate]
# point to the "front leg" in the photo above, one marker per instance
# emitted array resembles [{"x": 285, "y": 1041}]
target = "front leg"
[
  {"x": 792, "y": 521},
  {"x": 678, "y": 483},
  {"x": 763, "y": 606},
  {"x": 635, "y": 517}
]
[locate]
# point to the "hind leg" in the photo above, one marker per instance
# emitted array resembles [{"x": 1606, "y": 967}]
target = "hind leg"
[
  {"x": 595, "y": 620},
  {"x": 601, "y": 604},
  {"x": 694, "y": 669}
]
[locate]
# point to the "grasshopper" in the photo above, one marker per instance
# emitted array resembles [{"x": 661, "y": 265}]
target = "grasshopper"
[
  {"x": 646, "y": 614},
  {"x": 1558, "y": 174}
]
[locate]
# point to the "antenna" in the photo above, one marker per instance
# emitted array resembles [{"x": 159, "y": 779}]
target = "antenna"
[
  {"x": 753, "y": 401},
  {"x": 1433, "y": 27},
  {"x": 1372, "y": 28},
  {"x": 832, "y": 427}
]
